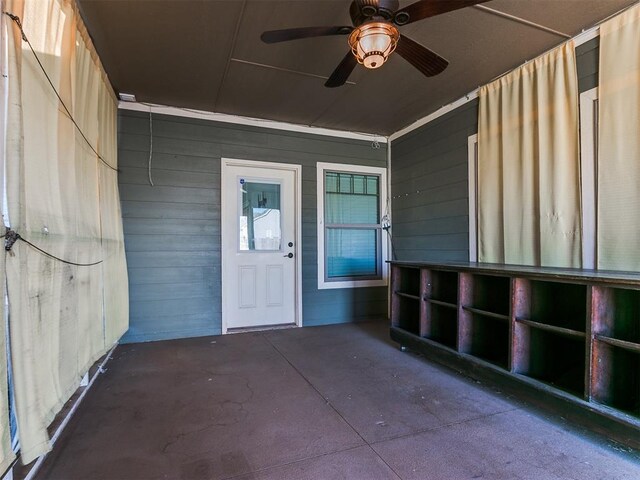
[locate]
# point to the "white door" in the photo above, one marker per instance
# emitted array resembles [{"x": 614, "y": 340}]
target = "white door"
[{"x": 259, "y": 244}]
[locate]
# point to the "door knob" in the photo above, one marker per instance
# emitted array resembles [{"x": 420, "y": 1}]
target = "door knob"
[{"x": 290, "y": 255}]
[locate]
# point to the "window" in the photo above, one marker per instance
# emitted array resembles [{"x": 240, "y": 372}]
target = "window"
[
  {"x": 351, "y": 246},
  {"x": 588, "y": 181},
  {"x": 589, "y": 174},
  {"x": 260, "y": 225}
]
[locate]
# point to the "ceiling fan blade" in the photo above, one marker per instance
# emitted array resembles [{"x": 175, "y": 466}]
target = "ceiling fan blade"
[
  {"x": 342, "y": 71},
  {"x": 425, "y": 60},
  {"x": 430, "y": 8},
  {"x": 275, "y": 36}
]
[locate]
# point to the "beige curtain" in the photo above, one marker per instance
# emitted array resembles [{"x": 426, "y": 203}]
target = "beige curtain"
[
  {"x": 115, "y": 278},
  {"x": 619, "y": 143},
  {"x": 55, "y": 184},
  {"x": 6, "y": 452},
  {"x": 528, "y": 165}
]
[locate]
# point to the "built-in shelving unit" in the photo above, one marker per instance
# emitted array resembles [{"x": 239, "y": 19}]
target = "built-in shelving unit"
[{"x": 571, "y": 337}]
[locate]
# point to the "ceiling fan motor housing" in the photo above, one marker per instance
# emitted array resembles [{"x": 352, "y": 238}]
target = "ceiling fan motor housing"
[{"x": 363, "y": 10}]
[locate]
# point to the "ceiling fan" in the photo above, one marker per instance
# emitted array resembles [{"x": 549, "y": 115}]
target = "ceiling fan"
[{"x": 374, "y": 35}]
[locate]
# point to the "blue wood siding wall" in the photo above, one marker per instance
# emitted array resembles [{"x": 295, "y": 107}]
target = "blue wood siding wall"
[
  {"x": 430, "y": 179},
  {"x": 429, "y": 187},
  {"x": 172, "y": 229}
]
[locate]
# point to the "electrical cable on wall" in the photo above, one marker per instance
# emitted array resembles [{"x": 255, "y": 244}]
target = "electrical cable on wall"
[
  {"x": 150, "y": 147},
  {"x": 11, "y": 237},
  {"x": 18, "y": 22}
]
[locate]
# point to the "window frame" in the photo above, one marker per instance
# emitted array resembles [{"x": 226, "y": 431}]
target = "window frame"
[
  {"x": 589, "y": 176},
  {"x": 351, "y": 282},
  {"x": 472, "y": 151}
]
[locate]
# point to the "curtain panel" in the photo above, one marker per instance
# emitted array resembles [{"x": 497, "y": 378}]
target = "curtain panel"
[
  {"x": 618, "y": 243},
  {"x": 65, "y": 200},
  {"x": 528, "y": 165},
  {"x": 6, "y": 452}
]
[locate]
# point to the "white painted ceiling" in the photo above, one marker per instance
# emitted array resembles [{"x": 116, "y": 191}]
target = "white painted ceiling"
[{"x": 207, "y": 55}]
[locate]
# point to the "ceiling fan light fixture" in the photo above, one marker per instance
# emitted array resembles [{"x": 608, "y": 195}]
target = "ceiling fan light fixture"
[{"x": 373, "y": 42}]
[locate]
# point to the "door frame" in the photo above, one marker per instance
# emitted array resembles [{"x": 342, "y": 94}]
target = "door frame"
[{"x": 226, "y": 219}]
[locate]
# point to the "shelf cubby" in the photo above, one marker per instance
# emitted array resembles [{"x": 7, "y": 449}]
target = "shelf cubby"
[
  {"x": 408, "y": 314},
  {"x": 552, "y": 357},
  {"x": 440, "y": 306},
  {"x": 549, "y": 333},
  {"x": 406, "y": 299},
  {"x": 489, "y": 339},
  {"x": 557, "y": 304},
  {"x": 441, "y": 324},
  {"x": 407, "y": 281},
  {"x": 616, "y": 380},
  {"x": 443, "y": 287},
  {"x": 616, "y": 313},
  {"x": 615, "y": 375},
  {"x": 483, "y": 317},
  {"x": 486, "y": 293}
]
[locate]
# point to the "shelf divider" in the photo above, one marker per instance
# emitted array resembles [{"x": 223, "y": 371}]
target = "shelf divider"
[
  {"x": 426, "y": 288},
  {"x": 566, "y": 332},
  {"x": 441, "y": 303},
  {"x": 520, "y": 346},
  {"x": 629, "y": 346},
  {"x": 485, "y": 313},
  {"x": 592, "y": 309},
  {"x": 407, "y": 295},
  {"x": 395, "y": 301},
  {"x": 465, "y": 297}
]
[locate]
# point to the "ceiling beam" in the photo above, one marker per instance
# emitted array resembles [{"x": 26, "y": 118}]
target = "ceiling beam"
[
  {"x": 514, "y": 18},
  {"x": 230, "y": 56}
]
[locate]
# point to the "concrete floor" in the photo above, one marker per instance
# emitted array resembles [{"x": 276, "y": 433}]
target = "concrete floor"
[{"x": 314, "y": 403}]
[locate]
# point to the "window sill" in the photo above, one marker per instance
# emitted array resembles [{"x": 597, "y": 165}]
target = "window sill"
[{"x": 352, "y": 284}]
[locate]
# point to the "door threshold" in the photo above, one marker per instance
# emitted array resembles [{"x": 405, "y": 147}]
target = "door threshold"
[{"x": 261, "y": 328}]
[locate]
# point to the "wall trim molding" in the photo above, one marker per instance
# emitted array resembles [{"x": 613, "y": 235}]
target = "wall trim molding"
[{"x": 253, "y": 122}]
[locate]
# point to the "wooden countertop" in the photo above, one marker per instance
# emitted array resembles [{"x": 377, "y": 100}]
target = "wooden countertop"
[{"x": 573, "y": 275}]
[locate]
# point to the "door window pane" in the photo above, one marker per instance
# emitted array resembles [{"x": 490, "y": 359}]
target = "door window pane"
[
  {"x": 351, "y": 252},
  {"x": 260, "y": 221}
]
